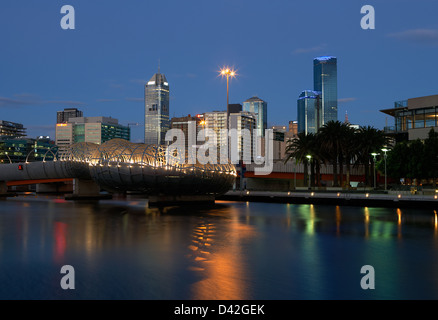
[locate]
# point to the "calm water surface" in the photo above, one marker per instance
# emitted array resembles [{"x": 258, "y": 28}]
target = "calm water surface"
[{"x": 121, "y": 250}]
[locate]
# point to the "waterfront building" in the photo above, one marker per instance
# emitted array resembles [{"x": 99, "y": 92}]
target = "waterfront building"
[
  {"x": 309, "y": 111},
  {"x": 89, "y": 129},
  {"x": 413, "y": 118},
  {"x": 156, "y": 109},
  {"x": 260, "y": 108},
  {"x": 11, "y": 129},
  {"x": 325, "y": 81},
  {"x": 21, "y": 149},
  {"x": 63, "y": 116}
]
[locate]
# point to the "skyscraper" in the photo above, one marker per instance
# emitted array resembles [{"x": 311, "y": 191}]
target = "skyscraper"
[
  {"x": 156, "y": 96},
  {"x": 325, "y": 80},
  {"x": 260, "y": 108},
  {"x": 309, "y": 111}
]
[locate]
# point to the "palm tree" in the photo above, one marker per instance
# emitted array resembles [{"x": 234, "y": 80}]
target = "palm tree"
[
  {"x": 331, "y": 134},
  {"x": 349, "y": 149},
  {"x": 299, "y": 148},
  {"x": 369, "y": 140}
]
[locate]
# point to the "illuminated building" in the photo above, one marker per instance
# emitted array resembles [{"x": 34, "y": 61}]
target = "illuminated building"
[
  {"x": 156, "y": 109},
  {"x": 11, "y": 129},
  {"x": 260, "y": 108},
  {"x": 325, "y": 81},
  {"x": 413, "y": 118},
  {"x": 89, "y": 129}
]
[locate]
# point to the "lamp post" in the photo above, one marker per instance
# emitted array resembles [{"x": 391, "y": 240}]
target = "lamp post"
[
  {"x": 308, "y": 170},
  {"x": 384, "y": 156},
  {"x": 374, "y": 165},
  {"x": 228, "y": 72}
]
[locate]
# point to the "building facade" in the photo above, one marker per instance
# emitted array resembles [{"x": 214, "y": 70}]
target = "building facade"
[
  {"x": 309, "y": 111},
  {"x": 26, "y": 149},
  {"x": 245, "y": 124},
  {"x": 413, "y": 118},
  {"x": 11, "y": 129},
  {"x": 89, "y": 129},
  {"x": 184, "y": 123},
  {"x": 260, "y": 108},
  {"x": 325, "y": 80},
  {"x": 156, "y": 109},
  {"x": 63, "y": 116}
]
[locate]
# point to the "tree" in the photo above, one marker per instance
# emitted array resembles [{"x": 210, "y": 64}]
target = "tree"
[
  {"x": 431, "y": 156},
  {"x": 369, "y": 140},
  {"x": 331, "y": 134},
  {"x": 299, "y": 148}
]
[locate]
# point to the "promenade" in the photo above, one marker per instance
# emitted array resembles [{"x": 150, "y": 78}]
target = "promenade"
[{"x": 342, "y": 198}]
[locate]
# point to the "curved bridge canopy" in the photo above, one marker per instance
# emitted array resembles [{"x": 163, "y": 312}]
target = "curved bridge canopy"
[{"x": 119, "y": 165}]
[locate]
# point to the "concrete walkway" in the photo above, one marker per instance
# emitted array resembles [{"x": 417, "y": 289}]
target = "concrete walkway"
[{"x": 336, "y": 198}]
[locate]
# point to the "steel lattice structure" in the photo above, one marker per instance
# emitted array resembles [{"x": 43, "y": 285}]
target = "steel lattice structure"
[{"x": 120, "y": 165}]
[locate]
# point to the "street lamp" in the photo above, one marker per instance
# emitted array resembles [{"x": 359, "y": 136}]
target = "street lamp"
[
  {"x": 309, "y": 157},
  {"x": 374, "y": 165},
  {"x": 385, "y": 151},
  {"x": 228, "y": 72}
]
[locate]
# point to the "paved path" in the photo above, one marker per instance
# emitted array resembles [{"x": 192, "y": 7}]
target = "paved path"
[{"x": 336, "y": 198}]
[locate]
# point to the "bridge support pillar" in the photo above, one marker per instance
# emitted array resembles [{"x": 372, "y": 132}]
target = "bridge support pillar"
[
  {"x": 169, "y": 200},
  {"x": 4, "y": 190},
  {"x": 3, "y": 187},
  {"x": 86, "y": 189}
]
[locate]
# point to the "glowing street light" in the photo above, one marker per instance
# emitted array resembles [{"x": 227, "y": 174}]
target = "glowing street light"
[
  {"x": 374, "y": 165},
  {"x": 385, "y": 151},
  {"x": 228, "y": 72},
  {"x": 309, "y": 173}
]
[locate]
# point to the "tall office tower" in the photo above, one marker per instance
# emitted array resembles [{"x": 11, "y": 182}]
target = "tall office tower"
[
  {"x": 309, "y": 111},
  {"x": 156, "y": 96},
  {"x": 260, "y": 108},
  {"x": 63, "y": 116},
  {"x": 325, "y": 80}
]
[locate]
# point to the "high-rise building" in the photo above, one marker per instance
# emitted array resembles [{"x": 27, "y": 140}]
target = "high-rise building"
[
  {"x": 156, "y": 109},
  {"x": 260, "y": 108},
  {"x": 89, "y": 129},
  {"x": 309, "y": 111},
  {"x": 243, "y": 122},
  {"x": 11, "y": 129},
  {"x": 63, "y": 116},
  {"x": 325, "y": 80},
  {"x": 217, "y": 121}
]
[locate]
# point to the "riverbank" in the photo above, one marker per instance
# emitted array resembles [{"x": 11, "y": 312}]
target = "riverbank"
[{"x": 342, "y": 198}]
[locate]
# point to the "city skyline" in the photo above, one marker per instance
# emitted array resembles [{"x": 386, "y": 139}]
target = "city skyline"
[{"x": 101, "y": 71}]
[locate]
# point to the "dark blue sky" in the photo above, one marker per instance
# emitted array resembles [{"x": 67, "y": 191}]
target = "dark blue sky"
[{"x": 102, "y": 65}]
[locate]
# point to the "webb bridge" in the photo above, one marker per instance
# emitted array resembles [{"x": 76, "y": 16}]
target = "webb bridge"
[{"x": 119, "y": 166}]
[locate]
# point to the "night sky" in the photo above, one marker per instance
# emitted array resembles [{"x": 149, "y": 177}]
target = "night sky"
[{"x": 101, "y": 66}]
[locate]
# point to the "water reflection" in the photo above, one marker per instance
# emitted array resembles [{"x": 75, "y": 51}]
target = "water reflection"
[{"x": 229, "y": 251}]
